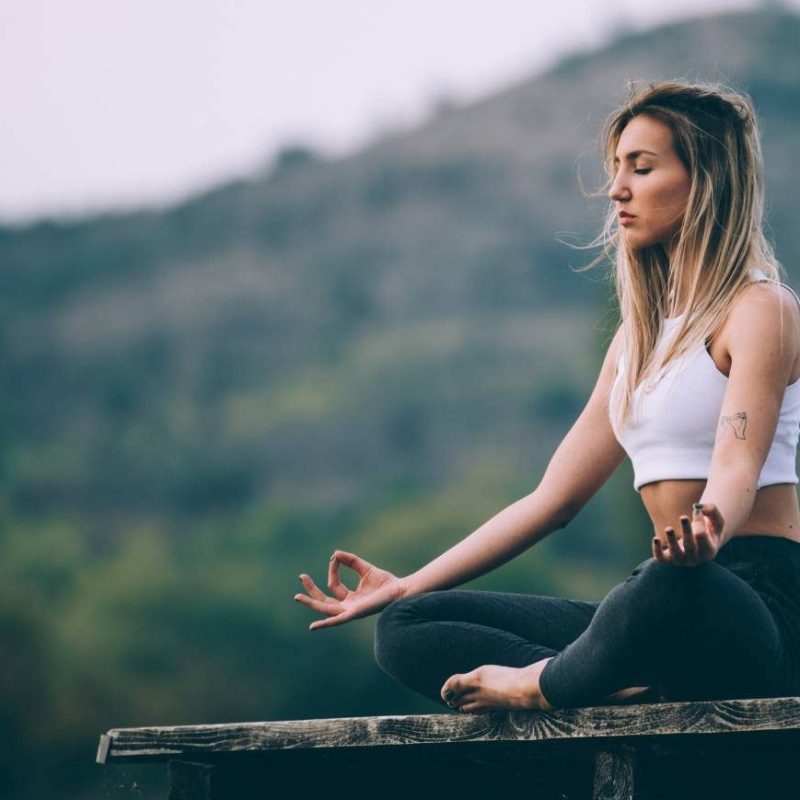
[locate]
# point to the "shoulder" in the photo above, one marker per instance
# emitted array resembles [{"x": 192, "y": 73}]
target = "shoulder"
[
  {"x": 614, "y": 350},
  {"x": 764, "y": 320},
  {"x": 764, "y": 307}
]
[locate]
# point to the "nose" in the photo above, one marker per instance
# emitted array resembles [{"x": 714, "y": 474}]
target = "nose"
[{"x": 619, "y": 191}]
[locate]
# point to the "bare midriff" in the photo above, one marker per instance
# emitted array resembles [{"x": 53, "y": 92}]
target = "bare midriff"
[{"x": 775, "y": 511}]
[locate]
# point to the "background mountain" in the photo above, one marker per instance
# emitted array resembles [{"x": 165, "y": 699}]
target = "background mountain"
[{"x": 375, "y": 353}]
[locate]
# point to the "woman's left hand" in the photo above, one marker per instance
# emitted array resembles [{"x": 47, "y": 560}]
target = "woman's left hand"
[{"x": 700, "y": 540}]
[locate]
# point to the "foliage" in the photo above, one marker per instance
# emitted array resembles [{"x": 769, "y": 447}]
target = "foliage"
[{"x": 376, "y": 353}]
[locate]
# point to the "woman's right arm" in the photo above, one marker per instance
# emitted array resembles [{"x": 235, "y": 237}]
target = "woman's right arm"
[{"x": 586, "y": 458}]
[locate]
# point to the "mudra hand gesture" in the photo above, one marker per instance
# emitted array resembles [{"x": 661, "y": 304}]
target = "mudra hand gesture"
[
  {"x": 376, "y": 589},
  {"x": 700, "y": 540}
]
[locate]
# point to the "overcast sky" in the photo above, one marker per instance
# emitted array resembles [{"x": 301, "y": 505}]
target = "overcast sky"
[{"x": 114, "y": 103}]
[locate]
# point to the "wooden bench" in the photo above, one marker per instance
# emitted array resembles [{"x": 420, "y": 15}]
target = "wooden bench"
[{"x": 712, "y": 749}]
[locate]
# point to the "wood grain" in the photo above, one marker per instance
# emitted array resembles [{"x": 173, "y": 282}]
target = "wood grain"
[
  {"x": 613, "y": 774},
  {"x": 597, "y": 722}
]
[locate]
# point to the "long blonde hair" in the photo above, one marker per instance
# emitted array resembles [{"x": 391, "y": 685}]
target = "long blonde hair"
[{"x": 715, "y": 134}]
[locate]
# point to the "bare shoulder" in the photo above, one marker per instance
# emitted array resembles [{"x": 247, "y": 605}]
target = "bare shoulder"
[
  {"x": 765, "y": 317},
  {"x": 765, "y": 308},
  {"x": 615, "y": 348}
]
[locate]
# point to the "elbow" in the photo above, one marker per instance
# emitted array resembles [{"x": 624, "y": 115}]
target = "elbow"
[
  {"x": 561, "y": 516},
  {"x": 547, "y": 514},
  {"x": 732, "y": 485},
  {"x": 742, "y": 473}
]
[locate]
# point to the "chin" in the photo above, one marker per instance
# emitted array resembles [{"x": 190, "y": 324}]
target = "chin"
[{"x": 641, "y": 243}]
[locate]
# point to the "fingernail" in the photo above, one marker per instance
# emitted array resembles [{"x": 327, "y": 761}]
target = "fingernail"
[{"x": 333, "y": 556}]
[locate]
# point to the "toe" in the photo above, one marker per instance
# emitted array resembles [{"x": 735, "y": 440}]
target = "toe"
[{"x": 452, "y": 688}]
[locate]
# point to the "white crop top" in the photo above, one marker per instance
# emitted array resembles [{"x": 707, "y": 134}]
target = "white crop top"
[{"x": 671, "y": 430}]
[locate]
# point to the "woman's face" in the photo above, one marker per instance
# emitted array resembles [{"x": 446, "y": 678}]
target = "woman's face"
[{"x": 651, "y": 184}]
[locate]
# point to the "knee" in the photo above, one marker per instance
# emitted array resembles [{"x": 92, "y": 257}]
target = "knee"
[
  {"x": 391, "y": 628},
  {"x": 656, "y": 592},
  {"x": 657, "y": 577}
]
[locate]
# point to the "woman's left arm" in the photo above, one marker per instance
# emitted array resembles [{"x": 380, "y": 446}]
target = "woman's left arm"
[{"x": 761, "y": 365}]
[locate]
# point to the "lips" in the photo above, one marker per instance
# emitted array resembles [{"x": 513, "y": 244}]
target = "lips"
[{"x": 625, "y": 215}]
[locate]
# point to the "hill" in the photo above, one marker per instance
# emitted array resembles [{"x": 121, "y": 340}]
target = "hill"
[{"x": 375, "y": 353}]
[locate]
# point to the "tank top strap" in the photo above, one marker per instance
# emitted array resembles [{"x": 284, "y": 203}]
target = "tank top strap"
[
  {"x": 796, "y": 297},
  {"x": 759, "y": 276}
]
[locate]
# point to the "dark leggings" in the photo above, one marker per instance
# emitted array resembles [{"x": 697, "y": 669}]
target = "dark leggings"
[{"x": 728, "y": 628}]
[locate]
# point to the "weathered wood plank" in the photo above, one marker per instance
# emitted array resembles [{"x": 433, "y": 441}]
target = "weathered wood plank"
[
  {"x": 597, "y": 722},
  {"x": 613, "y": 774},
  {"x": 102, "y": 748}
]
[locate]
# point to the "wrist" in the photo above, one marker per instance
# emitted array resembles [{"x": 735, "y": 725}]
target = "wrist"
[{"x": 404, "y": 587}]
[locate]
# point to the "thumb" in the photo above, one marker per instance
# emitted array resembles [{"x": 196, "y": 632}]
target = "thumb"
[{"x": 711, "y": 513}]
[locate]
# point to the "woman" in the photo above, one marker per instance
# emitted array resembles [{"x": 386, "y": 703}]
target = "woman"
[{"x": 700, "y": 388}]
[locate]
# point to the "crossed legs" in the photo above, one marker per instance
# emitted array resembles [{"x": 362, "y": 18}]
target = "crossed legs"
[{"x": 697, "y": 632}]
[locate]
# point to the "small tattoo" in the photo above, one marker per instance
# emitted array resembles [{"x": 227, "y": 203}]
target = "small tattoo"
[{"x": 737, "y": 423}]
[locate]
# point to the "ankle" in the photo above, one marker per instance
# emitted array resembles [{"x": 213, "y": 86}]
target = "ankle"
[{"x": 535, "y": 671}]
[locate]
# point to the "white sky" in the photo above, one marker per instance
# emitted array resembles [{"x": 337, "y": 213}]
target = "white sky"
[{"x": 115, "y": 103}]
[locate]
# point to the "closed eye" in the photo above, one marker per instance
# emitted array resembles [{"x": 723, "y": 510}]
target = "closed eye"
[{"x": 643, "y": 170}]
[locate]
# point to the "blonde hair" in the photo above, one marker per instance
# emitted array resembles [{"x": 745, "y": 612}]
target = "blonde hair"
[{"x": 716, "y": 136}]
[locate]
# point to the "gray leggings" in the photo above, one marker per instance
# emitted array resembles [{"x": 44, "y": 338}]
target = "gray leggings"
[{"x": 728, "y": 628}]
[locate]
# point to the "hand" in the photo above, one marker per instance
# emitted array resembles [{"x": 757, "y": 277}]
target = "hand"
[
  {"x": 700, "y": 539},
  {"x": 376, "y": 589}
]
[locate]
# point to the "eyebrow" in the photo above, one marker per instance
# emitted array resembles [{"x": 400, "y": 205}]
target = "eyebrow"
[{"x": 634, "y": 153}]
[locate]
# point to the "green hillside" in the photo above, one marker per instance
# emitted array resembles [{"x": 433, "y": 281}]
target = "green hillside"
[{"x": 375, "y": 353}]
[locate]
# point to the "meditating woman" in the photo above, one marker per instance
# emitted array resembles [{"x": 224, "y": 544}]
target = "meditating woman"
[{"x": 700, "y": 388}]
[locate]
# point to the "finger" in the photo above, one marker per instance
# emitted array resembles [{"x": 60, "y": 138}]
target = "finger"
[
  {"x": 338, "y": 619},
  {"x": 711, "y": 509},
  {"x": 353, "y": 561},
  {"x": 322, "y": 606},
  {"x": 674, "y": 546},
  {"x": 713, "y": 518},
  {"x": 705, "y": 548},
  {"x": 658, "y": 550},
  {"x": 689, "y": 544},
  {"x": 337, "y": 588},
  {"x": 312, "y": 588}
]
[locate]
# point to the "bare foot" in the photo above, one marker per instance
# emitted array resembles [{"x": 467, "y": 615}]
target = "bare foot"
[
  {"x": 624, "y": 694},
  {"x": 492, "y": 686}
]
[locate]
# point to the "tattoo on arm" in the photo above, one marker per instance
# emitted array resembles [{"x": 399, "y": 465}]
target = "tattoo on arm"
[{"x": 736, "y": 423}]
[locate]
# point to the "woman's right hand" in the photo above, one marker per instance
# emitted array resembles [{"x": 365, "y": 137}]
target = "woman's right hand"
[{"x": 376, "y": 589}]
